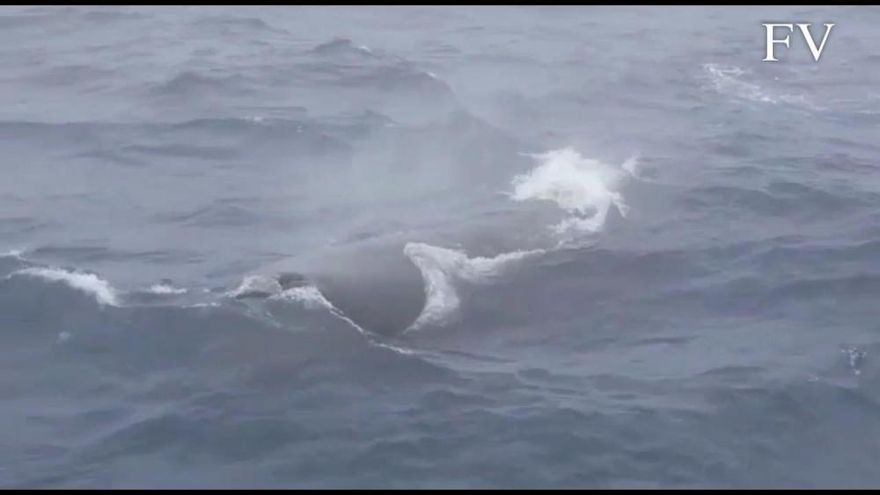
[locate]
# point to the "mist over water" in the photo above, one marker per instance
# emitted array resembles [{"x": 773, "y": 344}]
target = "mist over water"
[{"x": 428, "y": 247}]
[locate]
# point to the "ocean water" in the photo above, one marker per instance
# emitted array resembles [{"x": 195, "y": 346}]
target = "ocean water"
[{"x": 438, "y": 247}]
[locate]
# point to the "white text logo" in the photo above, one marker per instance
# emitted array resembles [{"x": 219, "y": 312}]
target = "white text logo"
[{"x": 805, "y": 31}]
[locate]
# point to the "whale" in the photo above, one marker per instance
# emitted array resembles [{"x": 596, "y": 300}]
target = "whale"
[
  {"x": 384, "y": 283},
  {"x": 399, "y": 276},
  {"x": 373, "y": 284}
]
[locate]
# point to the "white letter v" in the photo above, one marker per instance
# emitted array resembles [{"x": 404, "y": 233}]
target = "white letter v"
[{"x": 817, "y": 52}]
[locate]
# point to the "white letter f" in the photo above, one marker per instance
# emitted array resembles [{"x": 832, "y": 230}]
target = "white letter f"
[{"x": 771, "y": 41}]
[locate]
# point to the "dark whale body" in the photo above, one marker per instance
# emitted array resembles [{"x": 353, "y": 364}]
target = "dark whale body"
[{"x": 375, "y": 285}]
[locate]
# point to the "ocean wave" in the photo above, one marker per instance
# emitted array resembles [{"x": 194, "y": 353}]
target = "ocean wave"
[
  {"x": 347, "y": 64},
  {"x": 311, "y": 298},
  {"x": 256, "y": 286},
  {"x": 779, "y": 198},
  {"x": 343, "y": 47},
  {"x": 219, "y": 213},
  {"x": 91, "y": 253},
  {"x": 632, "y": 166},
  {"x": 12, "y": 253},
  {"x": 211, "y": 153},
  {"x": 280, "y": 289},
  {"x": 194, "y": 84},
  {"x": 400, "y": 78},
  {"x": 308, "y": 295},
  {"x": 231, "y": 25},
  {"x": 583, "y": 187},
  {"x": 88, "y": 283},
  {"x": 11, "y": 260}
]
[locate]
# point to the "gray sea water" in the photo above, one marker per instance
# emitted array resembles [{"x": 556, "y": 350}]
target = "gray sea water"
[{"x": 435, "y": 247}]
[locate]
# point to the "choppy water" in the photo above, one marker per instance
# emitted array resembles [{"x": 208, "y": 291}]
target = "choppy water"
[{"x": 437, "y": 247}]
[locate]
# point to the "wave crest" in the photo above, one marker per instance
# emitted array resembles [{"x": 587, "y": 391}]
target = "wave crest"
[
  {"x": 308, "y": 295},
  {"x": 256, "y": 286},
  {"x": 89, "y": 283},
  {"x": 165, "y": 289},
  {"x": 12, "y": 253}
]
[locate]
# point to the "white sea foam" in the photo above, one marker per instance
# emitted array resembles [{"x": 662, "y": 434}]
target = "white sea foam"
[
  {"x": 89, "y": 283},
  {"x": 13, "y": 253},
  {"x": 312, "y": 298},
  {"x": 308, "y": 295},
  {"x": 211, "y": 304},
  {"x": 856, "y": 358},
  {"x": 726, "y": 79},
  {"x": 584, "y": 187},
  {"x": 165, "y": 289},
  {"x": 631, "y": 166},
  {"x": 442, "y": 268},
  {"x": 256, "y": 285}
]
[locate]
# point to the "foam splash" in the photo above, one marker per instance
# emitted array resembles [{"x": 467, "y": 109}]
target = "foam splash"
[
  {"x": 256, "y": 286},
  {"x": 89, "y": 283},
  {"x": 312, "y": 298},
  {"x": 584, "y": 187},
  {"x": 309, "y": 296},
  {"x": 259, "y": 286},
  {"x": 442, "y": 268}
]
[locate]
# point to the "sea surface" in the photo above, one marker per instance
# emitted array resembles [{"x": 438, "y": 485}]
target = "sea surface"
[{"x": 438, "y": 247}]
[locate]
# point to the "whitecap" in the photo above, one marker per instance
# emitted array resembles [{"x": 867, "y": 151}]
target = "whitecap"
[
  {"x": 211, "y": 304},
  {"x": 13, "y": 253},
  {"x": 164, "y": 289},
  {"x": 309, "y": 296},
  {"x": 631, "y": 166},
  {"x": 89, "y": 283},
  {"x": 256, "y": 286},
  {"x": 312, "y": 298}
]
